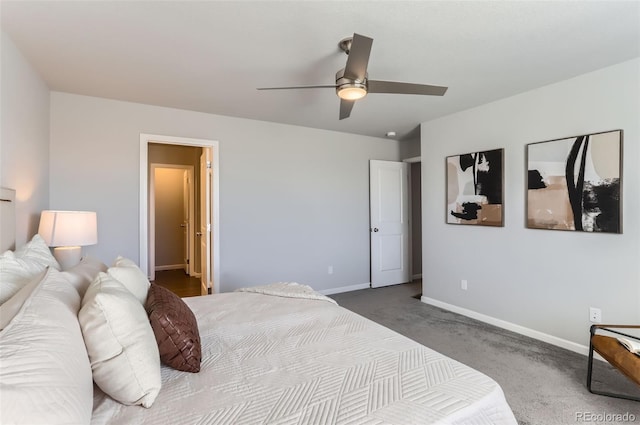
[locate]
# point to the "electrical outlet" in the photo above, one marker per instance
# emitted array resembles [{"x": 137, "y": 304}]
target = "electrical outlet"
[
  {"x": 595, "y": 315},
  {"x": 330, "y": 270},
  {"x": 463, "y": 284}
]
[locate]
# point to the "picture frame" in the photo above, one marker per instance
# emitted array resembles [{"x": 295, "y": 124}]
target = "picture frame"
[
  {"x": 475, "y": 188},
  {"x": 575, "y": 183}
]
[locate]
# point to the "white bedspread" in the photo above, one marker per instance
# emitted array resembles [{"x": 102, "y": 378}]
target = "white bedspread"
[{"x": 278, "y": 360}]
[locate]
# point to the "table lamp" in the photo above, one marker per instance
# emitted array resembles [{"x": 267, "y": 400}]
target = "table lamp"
[{"x": 67, "y": 232}]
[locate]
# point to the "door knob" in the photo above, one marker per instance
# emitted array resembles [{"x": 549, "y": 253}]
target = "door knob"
[
  {"x": 183, "y": 225},
  {"x": 375, "y": 229},
  {"x": 198, "y": 233}
]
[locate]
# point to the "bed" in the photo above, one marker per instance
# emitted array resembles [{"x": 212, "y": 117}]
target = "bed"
[
  {"x": 275, "y": 359},
  {"x": 274, "y": 354}
]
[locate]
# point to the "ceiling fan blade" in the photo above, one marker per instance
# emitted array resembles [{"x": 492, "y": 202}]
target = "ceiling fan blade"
[
  {"x": 345, "y": 108},
  {"x": 358, "y": 60},
  {"x": 325, "y": 86},
  {"x": 405, "y": 88}
]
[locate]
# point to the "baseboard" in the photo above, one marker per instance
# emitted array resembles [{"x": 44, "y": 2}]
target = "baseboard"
[
  {"x": 345, "y": 289},
  {"x": 416, "y": 276},
  {"x": 170, "y": 267},
  {"x": 553, "y": 340}
]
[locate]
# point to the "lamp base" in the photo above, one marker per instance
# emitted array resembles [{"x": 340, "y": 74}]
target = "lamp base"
[{"x": 67, "y": 256}]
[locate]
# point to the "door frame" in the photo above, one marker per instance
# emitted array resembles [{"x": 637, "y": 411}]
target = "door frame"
[
  {"x": 205, "y": 179},
  {"x": 145, "y": 139},
  {"x": 152, "y": 215}
]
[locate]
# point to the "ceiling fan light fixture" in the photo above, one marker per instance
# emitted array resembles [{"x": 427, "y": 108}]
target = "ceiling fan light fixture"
[{"x": 353, "y": 91}]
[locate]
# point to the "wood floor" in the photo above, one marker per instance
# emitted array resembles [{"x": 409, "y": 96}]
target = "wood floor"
[{"x": 178, "y": 282}]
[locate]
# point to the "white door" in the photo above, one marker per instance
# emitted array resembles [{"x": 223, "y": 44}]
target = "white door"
[
  {"x": 205, "y": 220},
  {"x": 389, "y": 208}
]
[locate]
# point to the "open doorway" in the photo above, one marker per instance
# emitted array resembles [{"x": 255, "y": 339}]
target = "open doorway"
[
  {"x": 415, "y": 205},
  {"x": 172, "y": 217},
  {"x": 179, "y": 158},
  {"x": 389, "y": 221},
  {"x": 396, "y": 221}
]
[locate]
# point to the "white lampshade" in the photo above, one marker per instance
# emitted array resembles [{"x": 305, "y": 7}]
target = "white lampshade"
[{"x": 67, "y": 231}]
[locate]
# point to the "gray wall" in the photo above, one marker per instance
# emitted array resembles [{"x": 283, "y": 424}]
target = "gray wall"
[
  {"x": 293, "y": 200},
  {"x": 410, "y": 148},
  {"x": 540, "y": 279},
  {"x": 24, "y": 138}
]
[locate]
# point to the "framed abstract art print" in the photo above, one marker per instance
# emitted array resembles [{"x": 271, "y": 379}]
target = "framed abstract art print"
[
  {"x": 575, "y": 183},
  {"x": 475, "y": 188}
]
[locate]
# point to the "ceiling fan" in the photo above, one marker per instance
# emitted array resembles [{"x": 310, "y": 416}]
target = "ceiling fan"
[{"x": 352, "y": 82}]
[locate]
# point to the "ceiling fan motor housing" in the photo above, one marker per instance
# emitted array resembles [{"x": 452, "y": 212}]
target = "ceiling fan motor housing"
[{"x": 350, "y": 89}]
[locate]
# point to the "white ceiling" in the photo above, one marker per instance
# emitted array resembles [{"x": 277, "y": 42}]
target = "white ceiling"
[{"x": 210, "y": 56}]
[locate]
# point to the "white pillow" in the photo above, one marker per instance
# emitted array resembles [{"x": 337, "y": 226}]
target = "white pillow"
[
  {"x": 127, "y": 272},
  {"x": 82, "y": 274},
  {"x": 37, "y": 251},
  {"x": 12, "y": 306},
  {"x": 13, "y": 275},
  {"x": 120, "y": 342},
  {"x": 19, "y": 267},
  {"x": 45, "y": 376}
]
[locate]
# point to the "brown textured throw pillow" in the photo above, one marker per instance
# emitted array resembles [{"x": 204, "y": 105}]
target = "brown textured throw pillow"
[{"x": 175, "y": 328}]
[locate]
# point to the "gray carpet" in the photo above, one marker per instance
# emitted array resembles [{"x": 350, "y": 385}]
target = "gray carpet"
[{"x": 543, "y": 384}]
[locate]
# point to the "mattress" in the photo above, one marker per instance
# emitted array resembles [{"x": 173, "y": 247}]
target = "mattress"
[{"x": 278, "y": 360}]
